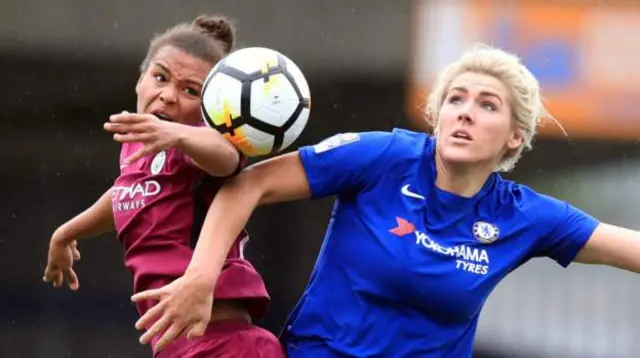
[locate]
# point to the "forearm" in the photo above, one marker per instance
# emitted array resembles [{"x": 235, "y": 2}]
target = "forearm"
[
  {"x": 209, "y": 150},
  {"x": 275, "y": 180},
  {"x": 97, "y": 219},
  {"x": 227, "y": 216}
]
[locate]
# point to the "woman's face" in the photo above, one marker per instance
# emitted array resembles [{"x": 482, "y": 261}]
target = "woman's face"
[
  {"x": 475, "y": 121},
  {"x": 171, "y": 85}
]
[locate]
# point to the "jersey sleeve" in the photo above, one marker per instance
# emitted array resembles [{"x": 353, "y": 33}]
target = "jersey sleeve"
[
  {"x": 122, "y": 156},
  {"x": 345, "y": 163},
  {"x": 570, "y": 227},
  {"x": 127, "y": 150}
]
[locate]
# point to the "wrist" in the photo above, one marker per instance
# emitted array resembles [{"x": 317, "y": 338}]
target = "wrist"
[
  {"x": 181, "y": 133},
  {"x": 61, "y": 236},
  {"x": 201, "y": 277}
]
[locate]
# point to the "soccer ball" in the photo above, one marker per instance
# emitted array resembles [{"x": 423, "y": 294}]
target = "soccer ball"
[{"x": 258, "y": 99}]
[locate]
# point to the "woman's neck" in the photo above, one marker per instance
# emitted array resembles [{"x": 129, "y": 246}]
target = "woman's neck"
[{"x": 465, "y": 181}]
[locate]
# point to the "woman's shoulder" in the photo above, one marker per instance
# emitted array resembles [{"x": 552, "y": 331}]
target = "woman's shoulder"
[
  {"x": 407, "y": 143},
  {"x": 539, "y": 208}
]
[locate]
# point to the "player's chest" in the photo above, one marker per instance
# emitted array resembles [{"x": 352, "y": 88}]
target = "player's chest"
[
  {"x": 449, "y": 274},
  {"x": 169, "y": 161},
  {"x": 150, "y": 179},
  {"x": 415, "y": 251},
  {"x": 465, "y": 249}
]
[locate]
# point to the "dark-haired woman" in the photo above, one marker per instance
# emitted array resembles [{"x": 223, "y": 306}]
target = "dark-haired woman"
[{"x": 157, "y": 203}]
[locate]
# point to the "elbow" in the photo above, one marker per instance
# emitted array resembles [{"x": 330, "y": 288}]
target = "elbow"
[
  {"x": 222, "y": 163},
  {"x": 228, "y": 157},
  {"x": 230, "y": 163}
]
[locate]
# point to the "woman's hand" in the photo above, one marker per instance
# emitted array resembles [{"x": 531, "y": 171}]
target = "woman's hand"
[
  {"x": 155, "y": 134},
  {"x": 184, "y": 308},
  {"x": 60, "y": 263}
]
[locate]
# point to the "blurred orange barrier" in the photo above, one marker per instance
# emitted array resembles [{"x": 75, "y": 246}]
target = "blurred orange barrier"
[{"x": 586, "y": 55}]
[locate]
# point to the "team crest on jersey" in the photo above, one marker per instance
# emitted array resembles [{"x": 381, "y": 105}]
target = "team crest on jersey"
[
  {"x": 158, "y": 162},
  {"x": 485, "y": 233},
  {"x": 336, "y": 141}
]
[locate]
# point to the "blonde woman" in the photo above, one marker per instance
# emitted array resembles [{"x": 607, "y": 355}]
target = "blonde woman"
[{"x": 423, "y": 227}]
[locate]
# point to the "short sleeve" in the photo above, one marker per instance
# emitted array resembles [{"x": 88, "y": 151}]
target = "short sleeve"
[
  {"x": 345, "y": 162},
  {"x": 572, "y": 228},
  {"x": 127, "y": 150},
  {"x": 122, "y": 157}
]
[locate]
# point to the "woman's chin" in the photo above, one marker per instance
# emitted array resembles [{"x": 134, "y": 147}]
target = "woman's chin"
[{"x": 458, "y": 156}]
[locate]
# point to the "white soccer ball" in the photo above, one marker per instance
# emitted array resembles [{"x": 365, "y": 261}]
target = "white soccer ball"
[{"x": 258, "y": 99}]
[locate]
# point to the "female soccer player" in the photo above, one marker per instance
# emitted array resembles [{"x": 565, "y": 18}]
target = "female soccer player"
[
  {"x": 158, "y": 202},
  {"x": 423, "y": 228}
]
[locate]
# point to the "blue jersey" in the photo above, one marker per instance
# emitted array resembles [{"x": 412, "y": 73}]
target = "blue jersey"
[{"x": 405, "y": 267}]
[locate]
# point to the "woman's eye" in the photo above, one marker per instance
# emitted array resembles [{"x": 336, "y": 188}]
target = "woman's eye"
[{"x": 192, "y": 92}]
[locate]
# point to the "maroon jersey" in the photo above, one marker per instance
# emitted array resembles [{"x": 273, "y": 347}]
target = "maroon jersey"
[{"x": 159, "y": 204}]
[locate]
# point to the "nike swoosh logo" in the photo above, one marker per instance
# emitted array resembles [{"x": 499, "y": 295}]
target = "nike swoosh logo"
[{"x": 406, "y": 192}]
